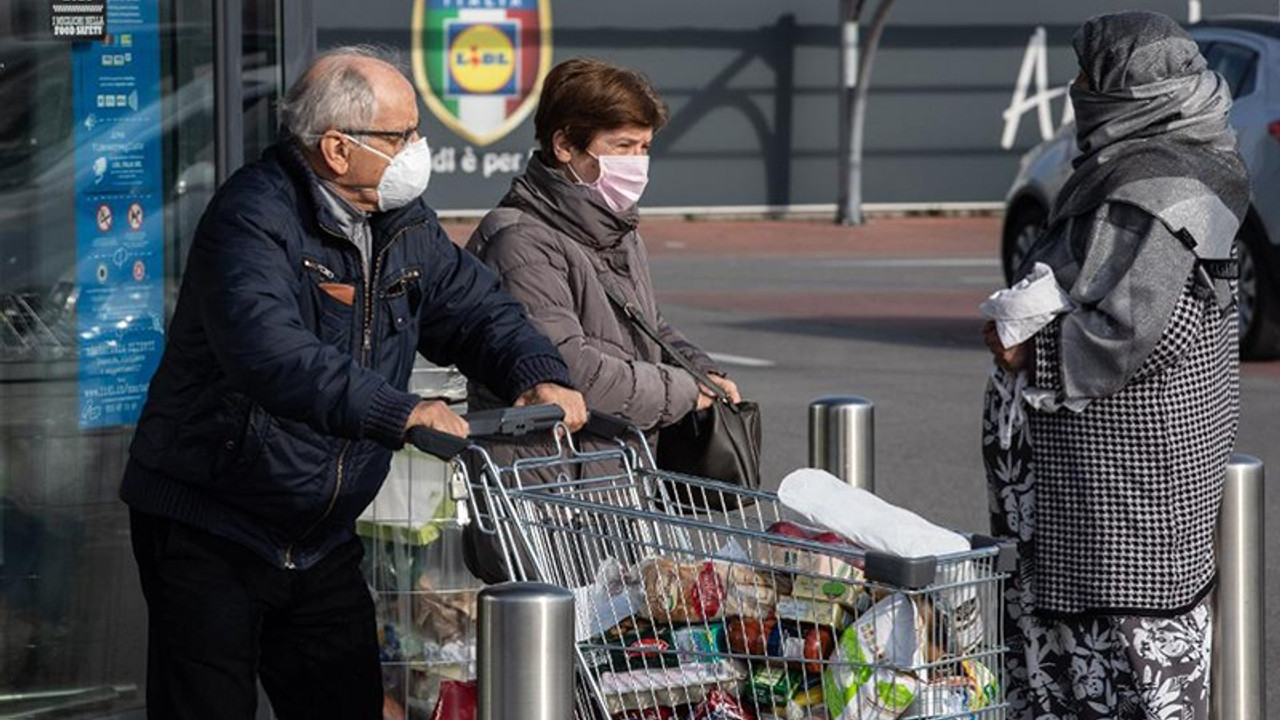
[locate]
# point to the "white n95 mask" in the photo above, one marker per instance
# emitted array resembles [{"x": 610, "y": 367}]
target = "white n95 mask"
[{"x": 406, "y": 176}]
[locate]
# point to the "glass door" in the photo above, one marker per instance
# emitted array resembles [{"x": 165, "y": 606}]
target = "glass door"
[{"x": 108, "y": 156}]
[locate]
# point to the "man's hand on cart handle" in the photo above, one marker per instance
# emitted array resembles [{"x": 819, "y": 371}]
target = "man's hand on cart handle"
[
  {"x": 570, "y": 401},
  {"x": 436, "y": 415}
]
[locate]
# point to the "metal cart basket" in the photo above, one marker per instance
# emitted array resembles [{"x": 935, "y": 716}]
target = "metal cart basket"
[{"x": 744, "y": 612}]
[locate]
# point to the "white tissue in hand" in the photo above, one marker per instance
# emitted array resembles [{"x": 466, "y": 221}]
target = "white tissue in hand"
[
  {"x": 1020, "y": 311},
  {"x": 865, "y": 518}
]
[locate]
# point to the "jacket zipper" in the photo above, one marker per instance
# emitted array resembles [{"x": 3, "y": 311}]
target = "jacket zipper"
[
  {"x": 333, "y": 499},
  {"x": 367, "y": 342},
  {"x": 325, "y": 272},
  {"x": 364, "y": 361},
  {"x": 398, "y": 289}
]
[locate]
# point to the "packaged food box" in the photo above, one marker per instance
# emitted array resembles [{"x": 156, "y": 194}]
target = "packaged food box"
[
  {"x": 668, "y": 687},
  {"x": 849, "y": 592},
  {"x": 700, "y": 643},
  {"x": 635, "y": 646},
  {"x": 815, "y": 612},
  {"x": 773, "y": 685}
]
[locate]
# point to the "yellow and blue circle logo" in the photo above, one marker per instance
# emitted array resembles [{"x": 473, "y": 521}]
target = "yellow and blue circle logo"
[{"x": 482, "y": 58}]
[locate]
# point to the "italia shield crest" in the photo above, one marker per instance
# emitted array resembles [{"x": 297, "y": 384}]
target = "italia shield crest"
[{"x": 479, "y": 64}]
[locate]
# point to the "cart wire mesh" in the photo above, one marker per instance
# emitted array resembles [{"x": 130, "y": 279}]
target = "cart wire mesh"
[{"x": 683, "y": 610}]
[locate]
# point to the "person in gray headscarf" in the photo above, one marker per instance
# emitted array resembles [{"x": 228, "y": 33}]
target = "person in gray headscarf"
[{"x": 1130, "y": 392}]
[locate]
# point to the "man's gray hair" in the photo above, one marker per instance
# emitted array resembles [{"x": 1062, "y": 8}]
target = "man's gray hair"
[{"x": 333, "y": 93}]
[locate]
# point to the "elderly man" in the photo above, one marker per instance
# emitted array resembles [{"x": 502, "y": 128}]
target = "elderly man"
[{"x": 315, "y": 276}]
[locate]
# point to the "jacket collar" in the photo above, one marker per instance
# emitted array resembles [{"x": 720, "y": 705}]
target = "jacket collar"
[{"x": 574, "y": 209}]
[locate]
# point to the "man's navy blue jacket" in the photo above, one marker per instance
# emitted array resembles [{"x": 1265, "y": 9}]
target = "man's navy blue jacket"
[{"x": 275, "y": 409}]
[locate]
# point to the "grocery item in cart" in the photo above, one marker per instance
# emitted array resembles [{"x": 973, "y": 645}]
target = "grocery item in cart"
[
  {"x": 814, "y": 612},
  {"x": 663, "y": 687},
  {"x": 805, "y": 562},
  {"x": 633, "y": 645},
  {"x": 649, "y": 713},
  {"x": 749, "y": 635},
  {"x": 879, "y": 525},
  {"x": 773, "y": 686},
  {"x": 720, "y": 705},
  {"x": 682, "y": 592},
  {"x": 614, "y": 596},
  {"x": 699, "y": 643},
  {"x": 975, "y": 688},
  {"x": 868, "y": 677},
  {"x": 801, "y": 645},
  {"x": 864, "y": 518},
  {"x": 747, "y": 591},
  {"x": 457, "y": 700},
  {"x": 779, "y": 642},
  {"x": 851, "y": 593},
  {"x": 444, "y": 617}
]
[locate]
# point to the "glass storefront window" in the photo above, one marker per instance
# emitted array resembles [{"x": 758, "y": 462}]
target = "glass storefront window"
[{"x": 106, "y": 164}]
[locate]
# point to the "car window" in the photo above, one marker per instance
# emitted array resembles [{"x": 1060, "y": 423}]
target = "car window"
[{"x": 1236, "y": 63}]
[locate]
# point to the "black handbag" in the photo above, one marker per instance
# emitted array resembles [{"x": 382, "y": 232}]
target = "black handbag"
[{"x": 720, "y": 443}]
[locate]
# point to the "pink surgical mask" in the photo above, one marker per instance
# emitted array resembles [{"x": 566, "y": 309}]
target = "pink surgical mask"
[{"x": 622, "y": 179}]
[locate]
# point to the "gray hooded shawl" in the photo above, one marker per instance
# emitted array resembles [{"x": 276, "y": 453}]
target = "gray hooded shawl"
[{"x": 1152, "y": 127}]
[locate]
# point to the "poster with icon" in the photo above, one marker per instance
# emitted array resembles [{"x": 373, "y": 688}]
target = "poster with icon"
[{"x": 119, "y": 213}]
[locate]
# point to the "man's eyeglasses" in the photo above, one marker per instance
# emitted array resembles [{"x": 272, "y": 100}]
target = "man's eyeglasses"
[{"x": 402, "y": 136}]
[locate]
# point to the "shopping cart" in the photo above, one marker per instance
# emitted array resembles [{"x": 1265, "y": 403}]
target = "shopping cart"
[{"x": 746, "y": 612}]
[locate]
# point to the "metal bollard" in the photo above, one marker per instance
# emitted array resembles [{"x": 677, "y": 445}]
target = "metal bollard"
[
  {"x": 525, "y": 652},
  {"x": 842, "y": 439},
  {"x": 1238, "y": 664}
]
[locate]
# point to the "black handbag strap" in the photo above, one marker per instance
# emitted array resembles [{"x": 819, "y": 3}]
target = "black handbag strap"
[{"x": 633, "y": 314}]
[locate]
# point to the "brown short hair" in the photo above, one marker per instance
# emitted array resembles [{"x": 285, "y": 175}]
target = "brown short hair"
[{"x": 584, "y": 96}]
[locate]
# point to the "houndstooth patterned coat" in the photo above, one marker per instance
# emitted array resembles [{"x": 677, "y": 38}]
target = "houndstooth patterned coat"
[{"x": 1127, "y": 491}]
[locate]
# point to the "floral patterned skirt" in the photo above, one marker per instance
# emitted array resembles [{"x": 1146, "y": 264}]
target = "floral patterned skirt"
[{"x": 1091, "y": 667}]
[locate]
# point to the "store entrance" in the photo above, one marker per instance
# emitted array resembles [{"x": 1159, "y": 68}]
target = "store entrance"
[{"x": 113, "y": 137}]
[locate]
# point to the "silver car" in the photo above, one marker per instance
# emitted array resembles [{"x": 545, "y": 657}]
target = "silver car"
[{"x": 1246, "y": 51}]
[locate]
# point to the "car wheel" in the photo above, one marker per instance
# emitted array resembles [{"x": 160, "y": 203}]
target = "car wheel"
[
  {"x": 1256, "y": 293},
  {"x": 1020, "y": 233}
]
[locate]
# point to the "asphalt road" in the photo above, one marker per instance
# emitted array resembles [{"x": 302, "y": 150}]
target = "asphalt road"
[{"x": 796, "y": 311}]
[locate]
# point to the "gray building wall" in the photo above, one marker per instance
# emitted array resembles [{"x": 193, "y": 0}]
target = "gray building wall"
[{"x": 752, "y": 88}]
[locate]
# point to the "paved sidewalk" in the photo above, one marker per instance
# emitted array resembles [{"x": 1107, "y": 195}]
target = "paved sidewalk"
[{"x": 880, "y": 237}]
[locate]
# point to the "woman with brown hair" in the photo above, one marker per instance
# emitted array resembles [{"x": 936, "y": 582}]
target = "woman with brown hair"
[{"x": 566, "y": 235}]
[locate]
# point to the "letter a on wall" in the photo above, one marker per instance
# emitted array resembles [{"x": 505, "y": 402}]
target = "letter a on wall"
[{"x": 479, "y": 64}]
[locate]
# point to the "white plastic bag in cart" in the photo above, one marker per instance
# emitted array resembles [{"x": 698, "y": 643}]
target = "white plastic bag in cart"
[
  {"x": 412, "y": 501},
  {"x": 878, "y": 525},
  {"x": 613, "y": 597},
  {"x": 864, "y": 518},
  {"x": 874, "y": 672}
]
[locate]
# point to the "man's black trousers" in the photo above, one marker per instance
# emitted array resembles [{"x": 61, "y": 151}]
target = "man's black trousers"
[{"x": 220, "y": 617}]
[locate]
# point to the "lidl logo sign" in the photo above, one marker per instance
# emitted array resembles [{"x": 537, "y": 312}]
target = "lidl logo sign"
[
  {"x": 482, "y": 58},
  {"x": 479, "y": 64}
]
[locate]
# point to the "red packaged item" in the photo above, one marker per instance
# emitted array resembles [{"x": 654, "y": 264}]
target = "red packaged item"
[
  {"x": 803, "y": 647},
  {"x": 706, "y": 594},
  {"x": 749, "y": 636},
  {"x": 457, "y": 700},
  {"x": 720, "y": 705}
]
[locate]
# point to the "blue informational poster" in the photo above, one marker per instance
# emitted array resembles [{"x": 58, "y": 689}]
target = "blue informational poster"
[{"x": 119, "y": 213}]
